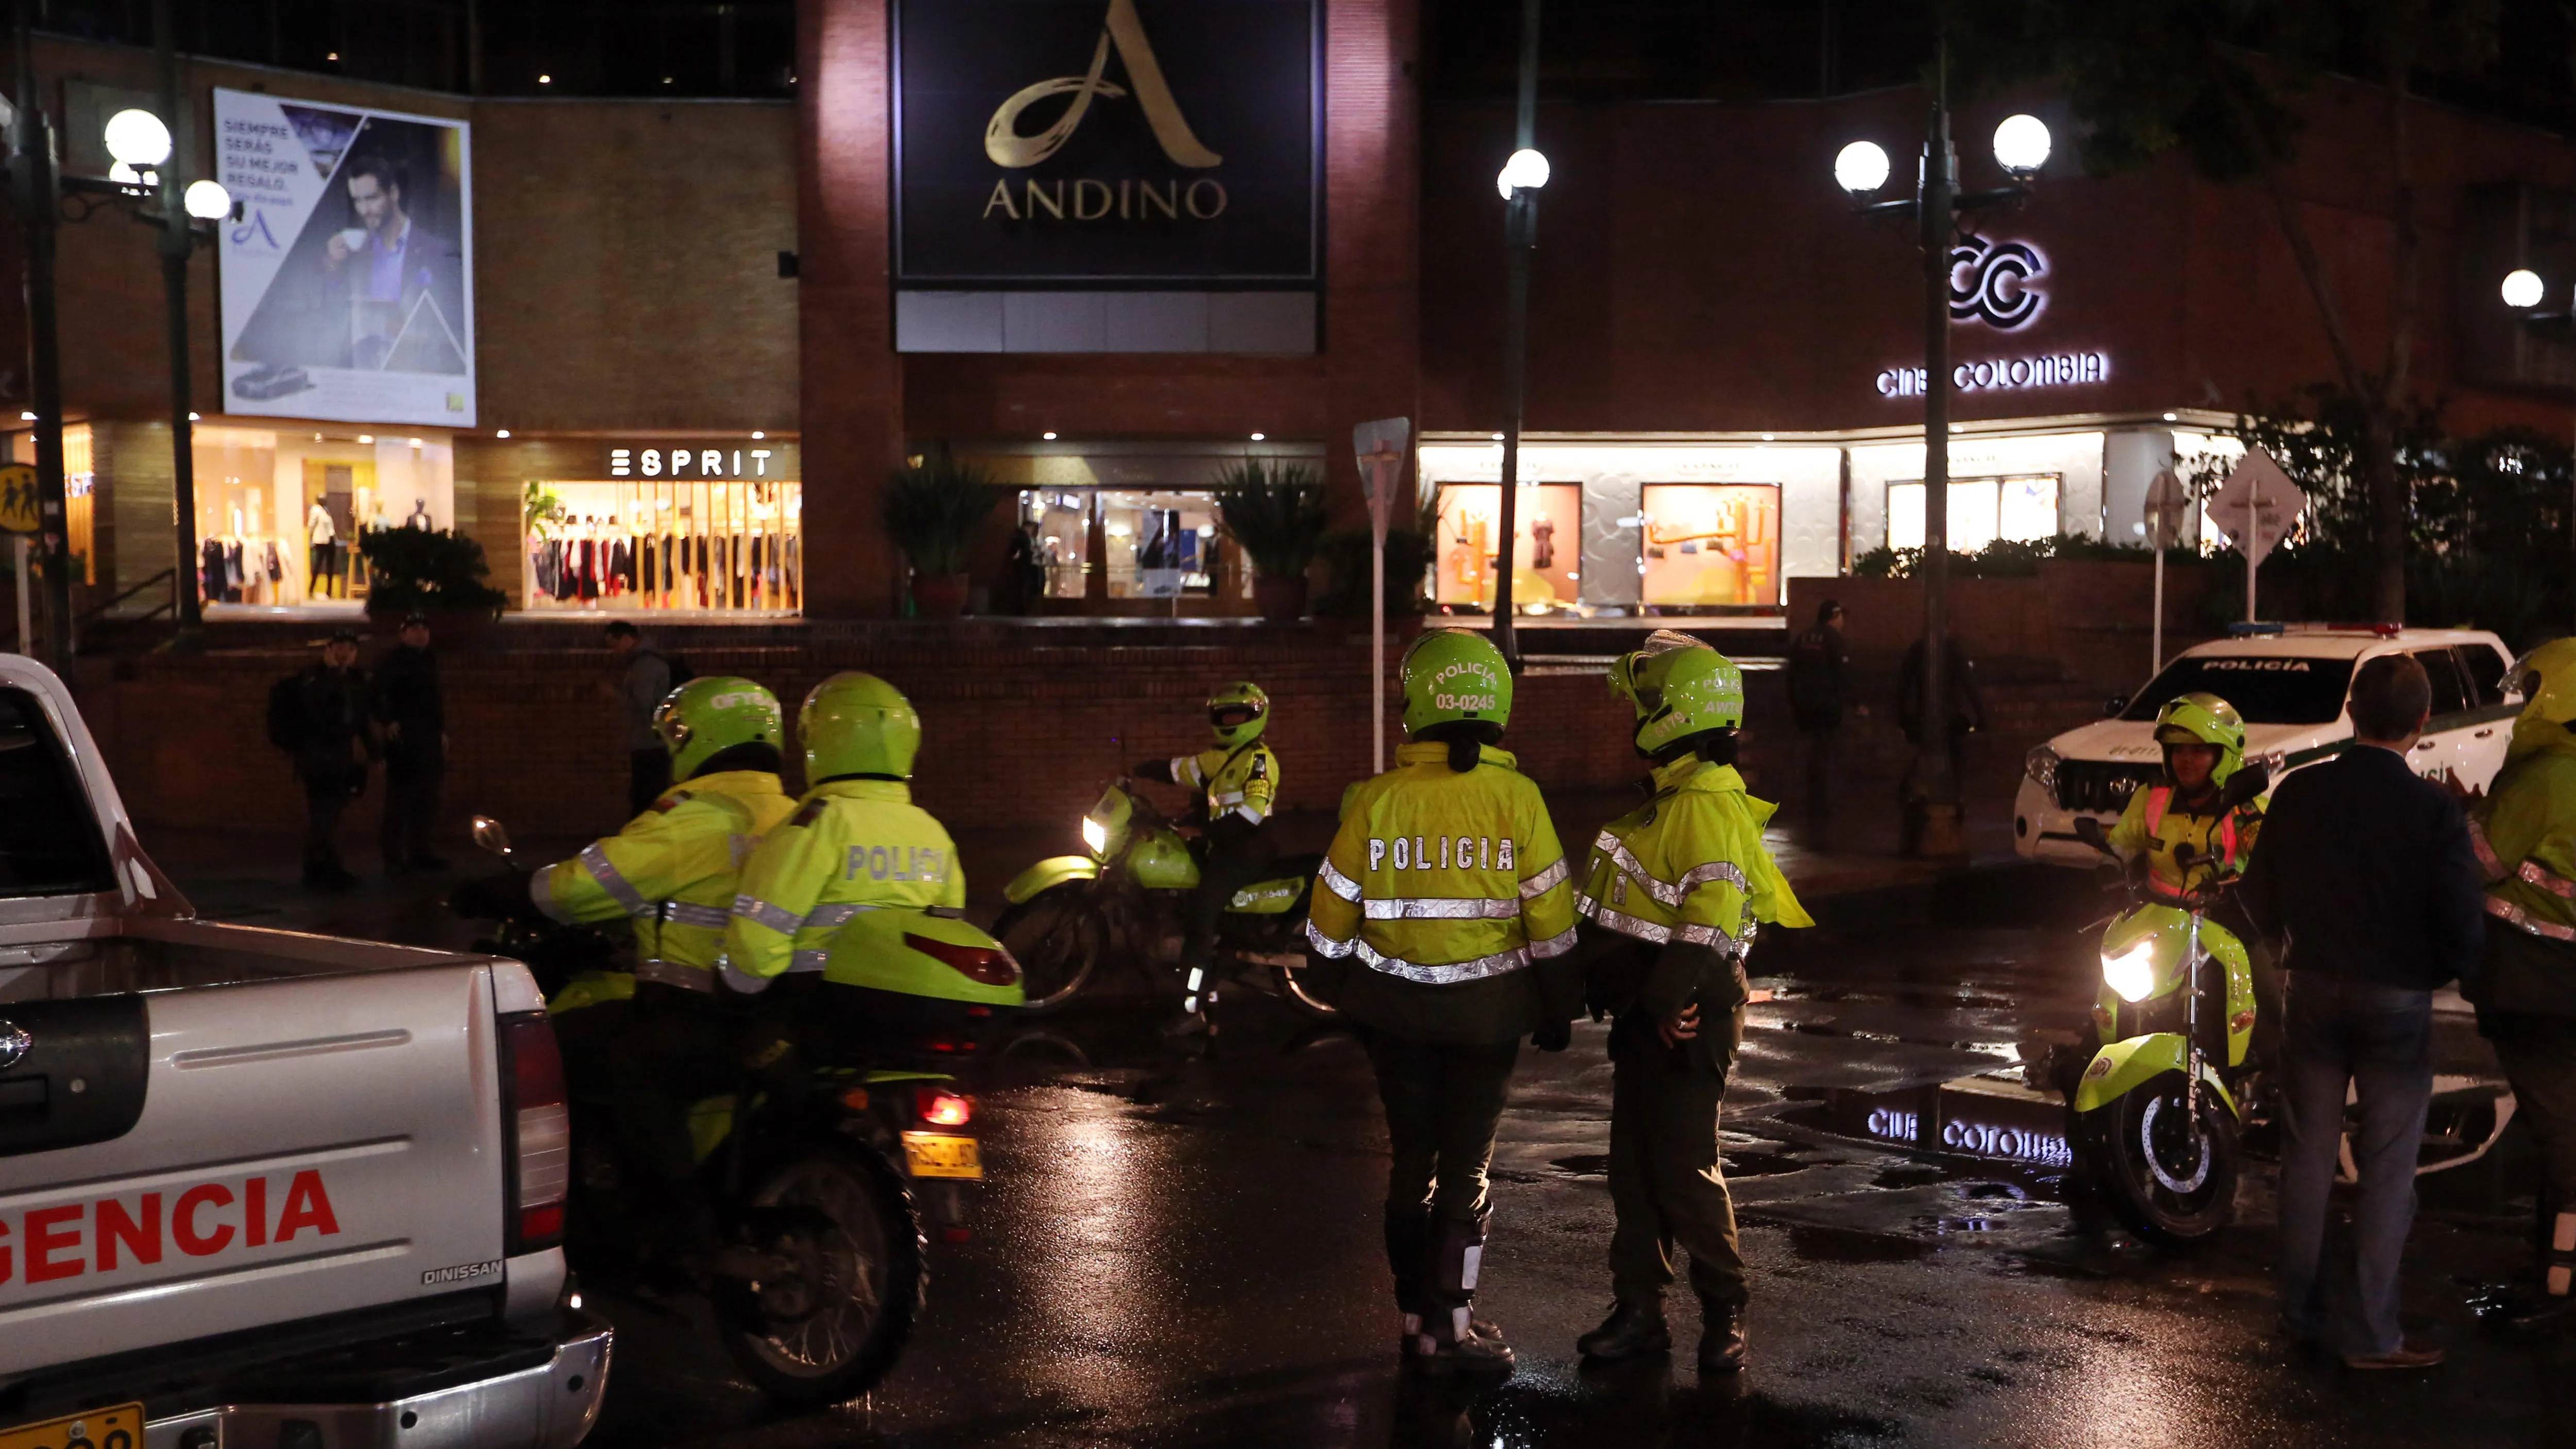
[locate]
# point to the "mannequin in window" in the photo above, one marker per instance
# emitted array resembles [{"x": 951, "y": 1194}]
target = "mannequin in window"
[
  {"x": 320, "y": 565},
  {"x": 420, "y": 518}
]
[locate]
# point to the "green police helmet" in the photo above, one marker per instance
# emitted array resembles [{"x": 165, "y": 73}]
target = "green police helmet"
[
  {"x": 857, "y": 724},
  {"x": 1680, "y": 687},
  {"x": 2547, "y": 678},
  {"x": 1238, "y": 713},
  {"x": 2204, "y": 719},
  {"x": 706, "y": 717},
  {"x": 1451, "y": 674}
]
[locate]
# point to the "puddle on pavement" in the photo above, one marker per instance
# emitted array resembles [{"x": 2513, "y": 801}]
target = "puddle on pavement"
[
  {"x": 1767, "y": 1160},
  {"x": 1849, "y": 1245}
]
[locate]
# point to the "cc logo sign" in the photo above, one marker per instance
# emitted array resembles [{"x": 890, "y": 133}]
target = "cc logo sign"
[{"x": 1990, "y": 282}]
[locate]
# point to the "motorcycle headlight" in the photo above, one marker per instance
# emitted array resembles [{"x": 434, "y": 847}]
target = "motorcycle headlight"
[
  {"x": 2132, "y": 973},
  {"x": 2041, "y": 765},
  {"x": 1095, "y": 835}
]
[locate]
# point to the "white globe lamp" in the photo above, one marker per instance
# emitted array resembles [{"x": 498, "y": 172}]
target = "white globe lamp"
[
  {"x": 1860, "y": 168},
  {"x": 2523, "y": 289},
  {"x": 2021, "y": 145},
  {"x": 138, "y": 139},
  {"x": 1525, "y": 171}
]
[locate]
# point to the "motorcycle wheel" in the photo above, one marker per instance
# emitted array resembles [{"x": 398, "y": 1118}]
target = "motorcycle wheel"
[
  {"x": 1294, "y": 991},
  {"x": 829, "y": 1330},
  {"x": 2155, "y": 1177},
  {"x": 1058, "y": 940}
]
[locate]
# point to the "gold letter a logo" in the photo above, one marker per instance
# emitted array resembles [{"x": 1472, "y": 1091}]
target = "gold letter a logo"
[{"x": 1004, "y": 143}]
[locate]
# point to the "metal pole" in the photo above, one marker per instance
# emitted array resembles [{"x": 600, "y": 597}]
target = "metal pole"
[
  {"x": 32, "y": 170},
  {"x": 2156, "y": 635},
  {"x": 2253, "y": 541},
  {"x": 177, "y": 242},
  {"x": 1520, "y": 233},
  {"x": 1935, "y": 783},
  {"x": 1377, "y": 655},
  {"x": 26, "y": 596}
]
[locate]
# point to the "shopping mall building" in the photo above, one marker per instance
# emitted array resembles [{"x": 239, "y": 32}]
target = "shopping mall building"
[{"x": 662, "y": 355}]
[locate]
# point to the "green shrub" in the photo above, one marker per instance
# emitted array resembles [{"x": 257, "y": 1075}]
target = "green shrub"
[
  {"x": 426, "y": 569},
  {"x": 1274, "y": 511},
  {"x": 933, "y": 510}
]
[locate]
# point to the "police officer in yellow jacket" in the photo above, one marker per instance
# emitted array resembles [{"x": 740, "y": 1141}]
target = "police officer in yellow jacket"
[
  {"x": 671, "y": 873},
  {"x": 1443, "y": 924},
  {"x": 855, "y": 843},
  {"x": 2525, "y": 838},
  {"x": 1237, "y": 784},
  {"x": 1674, "y": 892},
  {"x": 2204, "y": 746}
]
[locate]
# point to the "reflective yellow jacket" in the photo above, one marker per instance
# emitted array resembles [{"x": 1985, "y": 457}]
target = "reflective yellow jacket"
[
  {"x": 1232, "y": 782},
  {"x": 2525, "y": 834},
  {"x": 670, "y": 871},
  {"x": 1448, "y": 887},
  {"x": 1689, "y": 864},
  {"x": 2157, "y": 825},
  {"x": 851, "y": 846}
]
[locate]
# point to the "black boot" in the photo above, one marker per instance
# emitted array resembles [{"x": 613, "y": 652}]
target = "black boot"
[
  {"x": 1452, "y": 1339},
  {"x": 1721, "y": 1339},
  {"x": 1630, "y": 1330}
]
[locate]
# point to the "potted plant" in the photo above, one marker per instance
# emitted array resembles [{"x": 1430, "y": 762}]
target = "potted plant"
[
  {"x": 1345, "y": 599},
  {"x": 436, "y": 572},
  {"x": 1274, "y": 511},
  {"x": 932, "y": 510}
]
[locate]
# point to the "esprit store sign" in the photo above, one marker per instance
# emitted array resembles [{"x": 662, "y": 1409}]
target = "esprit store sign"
[
  {"x": 676, "y": 462},
  {"x": 1076, "y": 141}
]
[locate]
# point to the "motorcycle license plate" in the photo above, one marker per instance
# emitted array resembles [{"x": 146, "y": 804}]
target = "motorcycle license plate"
[
  {"x": 117, "y": 1428},
  {"x": 926, "y": 1154}
]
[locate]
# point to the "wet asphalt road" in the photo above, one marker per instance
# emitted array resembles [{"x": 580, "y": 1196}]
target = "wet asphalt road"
[{"x": 1186, "y": 1253}]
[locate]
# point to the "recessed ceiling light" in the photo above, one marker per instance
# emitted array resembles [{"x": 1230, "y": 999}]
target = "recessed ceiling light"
[
  {"x": 1766, "y": 437},
  {"x": 1050, "y": 437},
  {"x": 545, "y": 80},
  {"x": 1498, "y": 437},
  {"x": 196, "y": 418},
  {"x": 2169, "y": 417},
  {"x": 335, "y": 55},
  {"x": 366, "y": 437},
  {"x": 415, "y": 442},
  {"x": 1257, "y": 437},
  {"x": 757, "y": 435},
  {"x": 26, "y": 417},
  {"x": 503, "y": 433}
]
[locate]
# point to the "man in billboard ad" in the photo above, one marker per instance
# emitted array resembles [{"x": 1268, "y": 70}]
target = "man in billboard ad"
[{"x": 348, "y": 282}]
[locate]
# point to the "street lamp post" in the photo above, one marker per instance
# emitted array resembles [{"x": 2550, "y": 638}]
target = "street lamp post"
[
  {"x": 2021, "y": 148},
  {"x": 2524, "y": 291},
  {"x": 1520, "y": 182}
]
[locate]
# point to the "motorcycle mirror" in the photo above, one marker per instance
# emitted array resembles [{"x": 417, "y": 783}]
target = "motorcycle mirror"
[
  {"x": 2245, "y": 786},
  {"x": 491, "y": 835}
]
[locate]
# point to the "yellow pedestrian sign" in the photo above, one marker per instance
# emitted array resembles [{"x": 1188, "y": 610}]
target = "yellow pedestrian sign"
[{"x": 17, "y": 499}]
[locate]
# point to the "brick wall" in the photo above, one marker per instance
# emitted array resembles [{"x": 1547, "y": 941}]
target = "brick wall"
[{"x": 1014, "y": 734}]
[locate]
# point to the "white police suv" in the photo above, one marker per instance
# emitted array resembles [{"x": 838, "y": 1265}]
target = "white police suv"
[{"x": 2290, "y": 685}]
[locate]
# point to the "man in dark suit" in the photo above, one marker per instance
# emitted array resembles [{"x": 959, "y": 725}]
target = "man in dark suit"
[{"x": 2366, "y": 876}]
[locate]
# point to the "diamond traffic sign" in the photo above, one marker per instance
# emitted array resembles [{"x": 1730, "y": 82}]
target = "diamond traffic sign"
[{"x": 2257, "y": 504}]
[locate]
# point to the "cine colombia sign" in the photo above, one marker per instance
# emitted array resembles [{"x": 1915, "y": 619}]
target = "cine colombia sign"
[{"x": 1172, "y": 143}]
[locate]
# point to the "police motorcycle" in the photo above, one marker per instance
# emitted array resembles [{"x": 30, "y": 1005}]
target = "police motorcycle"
[
  {"x": 2161, "y": 1106},
  {"x": 822, "y": 1180},
  {"x": 1127, "y": 896}
]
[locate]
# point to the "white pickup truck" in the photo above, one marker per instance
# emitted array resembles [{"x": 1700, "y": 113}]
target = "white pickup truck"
[
  {"x": 2291, "y": 685},
  {"x": 259, "y": 1187}
]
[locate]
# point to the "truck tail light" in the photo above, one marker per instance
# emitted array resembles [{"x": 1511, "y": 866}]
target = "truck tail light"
[{"x": 536, "y": 1113}]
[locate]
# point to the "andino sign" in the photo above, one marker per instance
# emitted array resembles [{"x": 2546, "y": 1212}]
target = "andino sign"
[{"x": 1076, "y": 142}]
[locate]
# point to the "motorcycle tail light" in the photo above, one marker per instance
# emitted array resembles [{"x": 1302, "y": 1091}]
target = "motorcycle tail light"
[
  {"x": 536, "y": 1114},
  {"x": 943, "y": 1108},
  {"x": 983, "y": 965}
]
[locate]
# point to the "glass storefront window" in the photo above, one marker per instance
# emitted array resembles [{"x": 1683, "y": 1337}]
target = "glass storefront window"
[
  {"x": 1981, "y": 510},
  {"x": 1161, "y": 545},
  {"x": 279, "y": 513},
  {"x": 1063, "y": 537},
  {"x": 1547, "y": 552},
  {"x": 664, "y": 543},
  {"x": 80, "y": 485},
  {"x": 1711, "y": 545}
]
